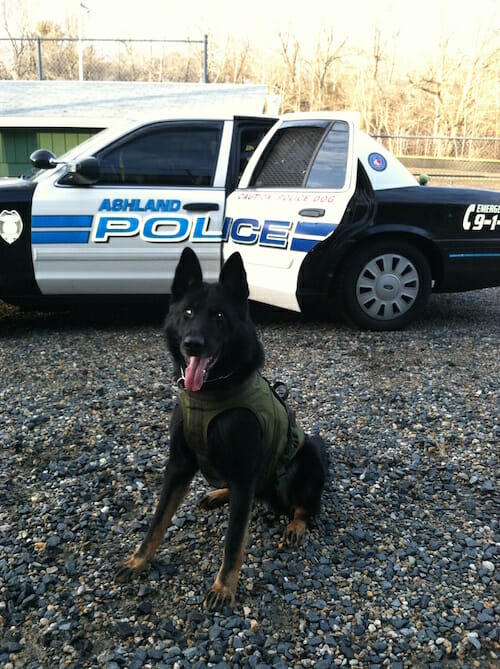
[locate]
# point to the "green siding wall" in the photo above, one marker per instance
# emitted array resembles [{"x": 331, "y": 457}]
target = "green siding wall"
[{"x": 16, "y": 145}]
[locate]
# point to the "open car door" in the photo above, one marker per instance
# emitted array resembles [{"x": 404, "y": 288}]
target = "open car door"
[{"x": 293, "y": 194}]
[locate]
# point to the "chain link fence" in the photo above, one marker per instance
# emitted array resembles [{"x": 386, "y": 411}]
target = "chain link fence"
[
  {"x": 463, "y": 148},
  {"x": 461, "y": 161},
  {"x": 23, "y": 58}
]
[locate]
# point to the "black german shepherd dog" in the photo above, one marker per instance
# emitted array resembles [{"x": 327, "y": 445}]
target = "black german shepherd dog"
[{"x": 228, "y": 423}]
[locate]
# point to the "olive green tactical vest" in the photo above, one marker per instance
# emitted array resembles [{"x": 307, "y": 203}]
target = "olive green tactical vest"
[{"x": 281, "y": 439}]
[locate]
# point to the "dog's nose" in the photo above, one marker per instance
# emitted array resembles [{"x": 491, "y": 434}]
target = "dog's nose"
[{"x": 194, "y": 344}]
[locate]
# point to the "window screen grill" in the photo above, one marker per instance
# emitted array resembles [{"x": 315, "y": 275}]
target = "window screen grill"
[{"x": 287, "y": 163}]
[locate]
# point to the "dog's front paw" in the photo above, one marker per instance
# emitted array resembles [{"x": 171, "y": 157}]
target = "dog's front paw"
[
  {"x": 130, "y": 568},
  {"x": 219, "y": 596},
  {"x": 295, "y": 533}
]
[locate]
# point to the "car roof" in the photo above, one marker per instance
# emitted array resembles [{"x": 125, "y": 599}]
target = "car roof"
[{"x": 118, "y": 128}]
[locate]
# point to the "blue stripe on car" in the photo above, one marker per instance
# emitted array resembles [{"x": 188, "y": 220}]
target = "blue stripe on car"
[
  {"x": 307, "y": 235},
  {"x": 315, "y": 229},
  {"x": 60, "y": 237},
  {"x": 303, "y": 245},
  {"x": 474, "y": 255},
  {"x": 61, "y": 221}
]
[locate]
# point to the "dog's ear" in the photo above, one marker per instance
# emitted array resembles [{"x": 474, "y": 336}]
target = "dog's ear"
[
  {"x": 234, "y": 278},
  {"x": 188, "y": 273}
]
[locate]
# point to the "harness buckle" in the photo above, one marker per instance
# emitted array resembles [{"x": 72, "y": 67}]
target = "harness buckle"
[{"x": 180, "y": 380}]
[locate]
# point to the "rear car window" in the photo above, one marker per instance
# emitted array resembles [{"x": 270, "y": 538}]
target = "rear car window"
[{"x": 305, "y": 157}]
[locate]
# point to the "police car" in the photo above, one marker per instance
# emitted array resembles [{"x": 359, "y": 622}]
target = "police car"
[{"x": 323, "y": 216}]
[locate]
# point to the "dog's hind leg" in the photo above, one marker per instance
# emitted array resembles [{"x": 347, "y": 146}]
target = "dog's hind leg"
[
  {"x": 213, "y": 499},
  {"x": 296, "y": 529},
  {"x": 306, "y": 482}
]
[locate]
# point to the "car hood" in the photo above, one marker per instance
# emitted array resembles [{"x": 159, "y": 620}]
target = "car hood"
[{"x": 15, "y": 190}]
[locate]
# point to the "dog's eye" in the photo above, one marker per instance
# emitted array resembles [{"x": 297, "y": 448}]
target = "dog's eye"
[
  {"x": 218, "y": 315},
  {"x": 188, "y": 313}
]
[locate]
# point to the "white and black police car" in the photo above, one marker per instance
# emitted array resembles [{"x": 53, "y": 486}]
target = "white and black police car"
[{"x": 323, "y": 216}]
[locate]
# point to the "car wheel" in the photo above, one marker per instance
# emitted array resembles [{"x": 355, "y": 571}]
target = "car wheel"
[{"x": 385, "y": 286}]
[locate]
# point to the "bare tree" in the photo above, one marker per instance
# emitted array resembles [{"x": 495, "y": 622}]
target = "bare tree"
[
  {"x": 232, "y": 63},
  {"x": 290, "y": 86},
  {"x": 378, "y": 88},
  {"x": 463, "y": 89},
  {"x": 60, "y": 59},
  {"x": 16, "y": 24},
  {"x": 322, "y": 84}
]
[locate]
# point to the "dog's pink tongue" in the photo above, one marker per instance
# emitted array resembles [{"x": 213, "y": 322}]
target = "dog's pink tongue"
[{"x": 193, "y": 376}]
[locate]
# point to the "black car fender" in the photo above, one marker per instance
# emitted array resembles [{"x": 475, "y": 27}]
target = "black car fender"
[
  {"x": 17, "y": 276},
  {"x": 361, "y": 226}
]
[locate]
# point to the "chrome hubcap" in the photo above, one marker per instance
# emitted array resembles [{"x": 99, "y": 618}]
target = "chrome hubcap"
[{"x": 387, "y": 286}]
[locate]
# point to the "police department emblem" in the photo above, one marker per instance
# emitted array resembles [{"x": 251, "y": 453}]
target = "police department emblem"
[
  {"x": 11, "y": 226},
  {"x": 377, "y": 162}
]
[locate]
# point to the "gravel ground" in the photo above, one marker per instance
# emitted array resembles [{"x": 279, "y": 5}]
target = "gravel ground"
[{"x": 399, "y": 570}]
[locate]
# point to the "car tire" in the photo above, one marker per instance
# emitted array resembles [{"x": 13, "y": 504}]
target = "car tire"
[{"x": 385, "y": 286}]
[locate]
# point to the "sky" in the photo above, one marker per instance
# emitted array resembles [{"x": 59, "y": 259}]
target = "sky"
[{"x": 418, "y": 25}]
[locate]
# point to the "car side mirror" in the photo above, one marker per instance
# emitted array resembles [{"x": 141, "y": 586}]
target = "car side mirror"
[
  {"x": 84, "y": 172},
  {"x": 43, "y": 159}
]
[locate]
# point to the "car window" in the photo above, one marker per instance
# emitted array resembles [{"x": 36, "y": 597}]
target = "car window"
[
  {"x": 330, "y": 164},
  {"x": 286, "y": 162},
  {"x": 249, "y": 140},
  {"x": 167, "y": 155},
  {"x": 305, "y": 156}
]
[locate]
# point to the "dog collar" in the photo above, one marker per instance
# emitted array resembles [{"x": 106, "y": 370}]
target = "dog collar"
[{"x": 180, "y": 380}]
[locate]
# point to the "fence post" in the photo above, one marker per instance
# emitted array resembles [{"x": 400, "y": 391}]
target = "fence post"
[
  {"x": 40, "y": 71},
  {"x": 205, "y": 60}
]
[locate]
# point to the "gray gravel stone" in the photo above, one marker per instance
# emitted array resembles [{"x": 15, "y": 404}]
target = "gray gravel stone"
[{"x": 399, "y": 569}]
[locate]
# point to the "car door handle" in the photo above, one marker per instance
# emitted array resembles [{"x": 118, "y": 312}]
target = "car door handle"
[
  {"x": 314, "y": 213},
  {"x": 201, "y": 206}
]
